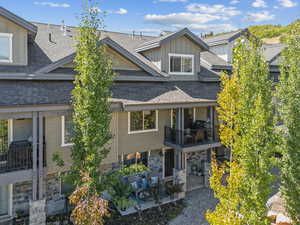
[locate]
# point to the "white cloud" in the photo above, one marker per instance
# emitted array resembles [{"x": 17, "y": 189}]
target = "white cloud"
[
  {"x": 216, "y": 28},
  {"x": 287, "y": 3},
  {"x": 172, "y": 0},
  {"x": 260, "y": 16},
  {"x": 121, "y": 11},
  {"x": 181, "y": 18},
  {"x": 259, "y": 4},
  {"x": 213, "y": 9},
  {"x": 234, "y": 2},
  {"x": 53, "y": 4}
]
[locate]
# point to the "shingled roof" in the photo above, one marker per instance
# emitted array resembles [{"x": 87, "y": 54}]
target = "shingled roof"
[
  {"x": 224, "y": 38},
  {"x": 23, "y": 93}
]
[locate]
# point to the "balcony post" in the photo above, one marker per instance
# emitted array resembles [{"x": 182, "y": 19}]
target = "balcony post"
[
  {"x": 34, "y": 156},
  {"x": 41, "y": 156}
]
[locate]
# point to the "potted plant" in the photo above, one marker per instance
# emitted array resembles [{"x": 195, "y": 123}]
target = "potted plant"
[
  {"x": 174, "y": 189},
  {"x": 20, "y": 216}
]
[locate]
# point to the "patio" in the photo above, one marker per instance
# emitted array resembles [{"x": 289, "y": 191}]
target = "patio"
[{"x": 131, "y": 193}]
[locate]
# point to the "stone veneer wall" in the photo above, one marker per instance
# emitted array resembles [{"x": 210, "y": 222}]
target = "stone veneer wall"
[
  {"x": 195, "y": 158},
  {"x": 22, "y": 193},
  {"x": 155, "y": 162}
]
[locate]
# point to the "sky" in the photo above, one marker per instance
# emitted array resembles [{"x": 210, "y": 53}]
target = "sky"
[{"x": 154, "y": 16}]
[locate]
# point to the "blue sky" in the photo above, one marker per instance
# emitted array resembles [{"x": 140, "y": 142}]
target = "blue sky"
[{"x": 152, "y": 16}]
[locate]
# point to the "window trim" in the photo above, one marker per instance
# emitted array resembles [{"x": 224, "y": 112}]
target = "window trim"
[
  {"x": 10, "y": 36},
  {"x": 63, "y": 144},
  {"x": 181, "y": 55},
  {"x": 10, "y": 202},
  {"x": 143, "y": 131}
]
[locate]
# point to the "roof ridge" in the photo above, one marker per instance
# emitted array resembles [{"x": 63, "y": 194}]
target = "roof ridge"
[{"x": 71, "y": 26}]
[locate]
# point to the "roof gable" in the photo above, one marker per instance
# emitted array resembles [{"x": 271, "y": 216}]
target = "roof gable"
[
  {"x": 112, "y": 44},
  {"x": 157, "y": 42},
  {"x": 18, "y": 20}
]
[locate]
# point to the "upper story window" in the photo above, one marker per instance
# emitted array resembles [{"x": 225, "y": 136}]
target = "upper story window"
[
  {"x": 67, "y": 130},
  {"x": 142, "y": 121},
  {"x": 6, "y": 47},
  {"x": 181, "y": 64}
]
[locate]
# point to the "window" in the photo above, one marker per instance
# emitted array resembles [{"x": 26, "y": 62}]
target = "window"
[
  {"x": 5, "y": 200},
  {"x": 136, "y": 158},
  {"x": 181, "y": 64},
  {"x": 6, "y": 47},
  {"x": 142, "y": 121},
  {"x": 67, "y": 130}
]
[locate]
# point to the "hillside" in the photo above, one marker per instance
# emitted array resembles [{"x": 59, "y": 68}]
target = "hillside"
[{"x": 272, "y": 33}]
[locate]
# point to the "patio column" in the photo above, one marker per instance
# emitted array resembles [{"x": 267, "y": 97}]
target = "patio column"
[
  {"x": 180, "y": 135},
  {"x": 34, "y": 156},
  {"x": 41, "y": 156}
]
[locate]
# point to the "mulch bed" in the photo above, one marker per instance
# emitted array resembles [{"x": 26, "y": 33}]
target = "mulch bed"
[{"x": 151, "y": 216}]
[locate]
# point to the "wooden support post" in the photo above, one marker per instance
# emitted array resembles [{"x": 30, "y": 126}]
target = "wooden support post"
[
  {"x": 41, "y": 157},
  {"x": 34, "y": 156}
]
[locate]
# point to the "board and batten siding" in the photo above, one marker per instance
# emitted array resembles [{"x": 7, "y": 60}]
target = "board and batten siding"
[
  {"x": 181, "y": 45},
  {"x": 154, "y": 55},
  {"x": 53, "y": 138},
  {"x": 19, "y": 42}
]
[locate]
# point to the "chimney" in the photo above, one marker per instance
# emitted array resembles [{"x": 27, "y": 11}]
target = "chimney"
[
  {"x": 62, "y": 25},
  {"x": 133, "y": 34},
  {"x": 141, "y": 35},
  {"x": 65, "y": 30}
]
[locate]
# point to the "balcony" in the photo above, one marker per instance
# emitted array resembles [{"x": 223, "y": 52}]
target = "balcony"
[
  {"x": 190, "y": 138},
  {"x": 18, "y": 156}
]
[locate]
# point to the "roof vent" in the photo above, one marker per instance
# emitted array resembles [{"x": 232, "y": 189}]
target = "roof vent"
[
  {"x": 133, "y": 35},
  {"x": 165, "y": 32},
  {"x": 49, "y": 33}
]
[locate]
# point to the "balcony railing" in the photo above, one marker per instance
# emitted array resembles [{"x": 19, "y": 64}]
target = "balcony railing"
[
  {"x": 17, "y": 157},
  {"x": 189, "y": 137}
]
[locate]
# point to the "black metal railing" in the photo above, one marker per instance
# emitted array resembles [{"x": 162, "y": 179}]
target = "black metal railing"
[
  {"x": 188, "y": 137},
  {"x": 18, "y": 156}
]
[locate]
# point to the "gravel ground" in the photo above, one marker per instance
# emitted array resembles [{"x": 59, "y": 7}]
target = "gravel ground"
[{"x": 197, "y": 203}]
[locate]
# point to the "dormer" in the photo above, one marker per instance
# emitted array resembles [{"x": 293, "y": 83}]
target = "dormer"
[
  {"x": 15, "y": 34},
  {"x": 176, "y": 54},
  {"x": 222, "y": 45}
]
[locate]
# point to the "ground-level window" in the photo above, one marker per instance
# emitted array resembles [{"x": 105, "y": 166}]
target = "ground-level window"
[
  {"x": 67, "y": 130},
  {"x": 6, "y": 47},
  {"x": 135, "y": 158},
  {"x": 5, "y": 200},
  {"x": 181, "y": 64},
  {"x": 142, "y": 121}
]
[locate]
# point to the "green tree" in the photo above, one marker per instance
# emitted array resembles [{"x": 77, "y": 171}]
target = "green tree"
[
  {"x": 92, "y": 117},
  {"x": 246, "y": 114},
  {"x": 288, "y": 95}
]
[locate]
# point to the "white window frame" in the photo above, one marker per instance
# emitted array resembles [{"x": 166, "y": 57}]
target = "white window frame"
[
  {"x": 10, "y": 36},
  {"x": 63, "y": 144},
  {"x": 10, "y": 202},
  {"x": 143, "y": 131},
  {"x": 181, "y": 55}
]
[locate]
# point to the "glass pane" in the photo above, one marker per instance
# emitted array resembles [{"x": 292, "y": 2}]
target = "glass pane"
[
  {"x": 3, "y": 136},
  {"x": 149, "y": 120},
  {"x": 4, "y": 200},
  {"x": 187, "y": 64},
  {"x": 188, "y": 118},
  {"x": 136, "y": 121},
  {"x": 174, "y": 119},
  {"x": 4, "y": 48},
  {"x": 175, "y": 64},
  {"x": 69, "y": 129}
]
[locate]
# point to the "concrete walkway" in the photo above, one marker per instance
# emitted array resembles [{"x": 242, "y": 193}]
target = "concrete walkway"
[{"x": 198, "y": 202}]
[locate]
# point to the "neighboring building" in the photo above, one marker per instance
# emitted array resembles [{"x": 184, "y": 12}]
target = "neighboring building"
[{"x": 164, "y": 99}]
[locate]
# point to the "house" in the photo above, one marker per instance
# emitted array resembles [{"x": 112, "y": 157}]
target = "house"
[{"x": 163, "y": 106}]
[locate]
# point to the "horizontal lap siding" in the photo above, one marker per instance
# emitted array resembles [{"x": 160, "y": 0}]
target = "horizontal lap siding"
[{"x": 142, "y": 142}]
